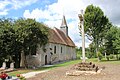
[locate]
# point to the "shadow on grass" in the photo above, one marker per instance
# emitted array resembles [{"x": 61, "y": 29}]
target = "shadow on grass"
[{"x": 45, "y": 68}]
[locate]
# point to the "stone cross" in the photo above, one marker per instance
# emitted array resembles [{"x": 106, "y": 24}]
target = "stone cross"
[{"x": 81, "y": 17}]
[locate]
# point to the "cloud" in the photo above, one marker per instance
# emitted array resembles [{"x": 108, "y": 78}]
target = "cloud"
[
  {"x": 52, "y": 14},
  {"x": 21, "y": 3},
  {"x": 7, "y": 5}
]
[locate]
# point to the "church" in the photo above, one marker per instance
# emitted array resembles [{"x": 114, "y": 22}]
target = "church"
[{"x": 60, "y": 47}]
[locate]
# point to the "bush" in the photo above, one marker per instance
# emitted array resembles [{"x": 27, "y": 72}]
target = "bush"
[
  {"x": 118, "y": 57},
  {"x": 111, "y": 56},
  {"x": 108, "y": 58}
]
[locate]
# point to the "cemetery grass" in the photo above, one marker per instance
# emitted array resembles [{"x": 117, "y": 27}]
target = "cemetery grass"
[
  {"x": 64, "y": 64},
  {"x": 21, "y": 71}
]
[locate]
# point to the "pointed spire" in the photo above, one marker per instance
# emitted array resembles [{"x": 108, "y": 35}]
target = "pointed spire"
[
  {"x": 64, "y": 26},
  {"x": 64, "y": 23}
]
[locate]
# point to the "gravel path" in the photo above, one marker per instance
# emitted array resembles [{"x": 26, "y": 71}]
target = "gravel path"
[{"x": 111, "y": 72}]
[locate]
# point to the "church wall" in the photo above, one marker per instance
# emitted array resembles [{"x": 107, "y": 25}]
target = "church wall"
[{"x": 52, "y": 57}]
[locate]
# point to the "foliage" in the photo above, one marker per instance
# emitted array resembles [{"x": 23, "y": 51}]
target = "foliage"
[
  {"x": 31, "y": 33},
  {"x": 96, "y": 24},
  {"x": 21, "y": 35},
  {"x": 116, "y": 41},
  {"x": 92, "y": 50},
  {"x": 99, "y": 55},
  {"x": 109, "y": 42},
  {"x": 78, "y": 52}
]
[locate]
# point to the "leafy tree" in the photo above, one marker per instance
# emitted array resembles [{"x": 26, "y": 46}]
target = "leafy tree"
[
  {"x": 9, "y": 46},
  {"x": 110, "y": 38},
  {"x": 22, "y": 35},
  {"x": 96, "y": 24},
  {"x": 31, "y": 34},
  {"x": 116, "y": 41}
]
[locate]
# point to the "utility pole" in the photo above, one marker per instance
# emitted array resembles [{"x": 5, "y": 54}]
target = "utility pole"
[{"x": 81, "y": 27}]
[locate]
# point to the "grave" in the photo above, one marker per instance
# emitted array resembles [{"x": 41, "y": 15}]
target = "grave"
[
  {"x": 11, "y": 68},
  {"x": 3, "y": 66}
]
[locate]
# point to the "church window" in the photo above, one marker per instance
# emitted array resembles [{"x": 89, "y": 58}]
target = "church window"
[
  {"x": 61, "y": 49},
  {"x": 55, "y": 49}
]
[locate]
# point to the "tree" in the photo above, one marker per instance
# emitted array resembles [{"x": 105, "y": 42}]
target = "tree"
[
  {"x": 31, "y": 34},
  {"x": 21, "y": 36},
  {"x": 110, "y": 38},
  {"x": 8, "y": 43},
  {"x": 116, "y": 41},
  {"x": 96, "y": 24}
]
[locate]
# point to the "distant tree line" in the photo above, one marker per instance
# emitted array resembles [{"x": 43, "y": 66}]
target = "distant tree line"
[{"x": 20, "y": 36}]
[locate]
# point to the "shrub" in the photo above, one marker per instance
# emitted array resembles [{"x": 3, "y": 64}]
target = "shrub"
[
  {"x": 118, "y": 57},
  {"x": 108, "y": 58},
  {"x": 111, "y": 56}
]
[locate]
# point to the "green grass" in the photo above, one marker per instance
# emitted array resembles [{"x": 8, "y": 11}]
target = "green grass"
[
  {"x": 68, "y": 63},
  {"x": 59, "y": 65},
  {"x": 14, "y": 73},
  {"x": 103, "y": 61}
]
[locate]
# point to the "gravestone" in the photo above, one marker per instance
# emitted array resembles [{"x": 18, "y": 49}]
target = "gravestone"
[
  {"x": 12, "y": 65},
  {"x": 3, "y": 65}
]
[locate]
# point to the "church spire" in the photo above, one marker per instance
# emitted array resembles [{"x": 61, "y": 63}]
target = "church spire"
[
  {"x": 64, "y": 23},
  {"x": 64, "y": 26}
]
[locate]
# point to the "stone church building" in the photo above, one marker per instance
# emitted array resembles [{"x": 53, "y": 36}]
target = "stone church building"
[{"x": 59, "y": 48}]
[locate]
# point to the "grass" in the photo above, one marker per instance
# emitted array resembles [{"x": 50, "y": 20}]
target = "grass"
[
  {"x": 63, "y": 65},
  {"x": 59, "y": 65},
  {"x": 14, "y": 73}
]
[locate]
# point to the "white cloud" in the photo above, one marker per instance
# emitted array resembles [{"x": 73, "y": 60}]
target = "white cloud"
[
  {"x": 53, "y": 16},
  {"x": 13, "y": 4},
  {"x": 21, "y": 3},
  {"x": 71, "y": 8},
  {"x": 4, "y": 12}
]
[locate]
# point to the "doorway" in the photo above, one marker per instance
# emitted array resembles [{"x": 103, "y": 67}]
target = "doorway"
[{"x": 45, "y": 59}]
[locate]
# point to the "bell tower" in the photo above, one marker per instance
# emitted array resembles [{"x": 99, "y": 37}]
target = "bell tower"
[{"x": 64, "y": 26}]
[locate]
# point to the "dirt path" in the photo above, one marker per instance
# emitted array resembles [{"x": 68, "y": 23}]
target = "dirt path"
[{"x": 111, "y": 72}]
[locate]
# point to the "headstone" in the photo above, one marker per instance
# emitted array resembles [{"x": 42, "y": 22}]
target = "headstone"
[
  {"x": 12, "y": 65},
  {"x": 3, "y": 65}
]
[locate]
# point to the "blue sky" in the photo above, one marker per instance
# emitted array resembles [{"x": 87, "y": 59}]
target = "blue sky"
[{"x": 50, "y": 12}]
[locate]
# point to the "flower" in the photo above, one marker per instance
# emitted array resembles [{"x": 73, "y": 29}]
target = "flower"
[
  {"x": 3, "y": 75},
  {"x": 18, "y": 75}
]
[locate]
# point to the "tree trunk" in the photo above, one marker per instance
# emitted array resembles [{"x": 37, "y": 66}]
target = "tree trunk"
[
  {"x": 22, "y": 61},
  {"x": 97, "y": 46}
]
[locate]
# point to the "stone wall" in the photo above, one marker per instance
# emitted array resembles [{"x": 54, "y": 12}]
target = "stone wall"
[{"x": 67, "y": 53}]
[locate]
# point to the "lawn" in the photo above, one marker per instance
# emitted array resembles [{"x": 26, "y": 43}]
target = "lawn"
[{"x": 62, "y": 65}]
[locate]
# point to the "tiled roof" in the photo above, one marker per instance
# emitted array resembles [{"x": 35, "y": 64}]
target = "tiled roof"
[{"x": 57, "y": 36}]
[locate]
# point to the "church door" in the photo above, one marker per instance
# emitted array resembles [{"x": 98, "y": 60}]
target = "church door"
[{"x": 45, "y": 59}]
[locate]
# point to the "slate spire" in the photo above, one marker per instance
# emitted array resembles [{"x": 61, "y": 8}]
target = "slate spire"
[{"x": 64, "y": 26}]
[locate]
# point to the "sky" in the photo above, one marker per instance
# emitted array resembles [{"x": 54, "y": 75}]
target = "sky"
[{"x": 50, "y": 12}]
